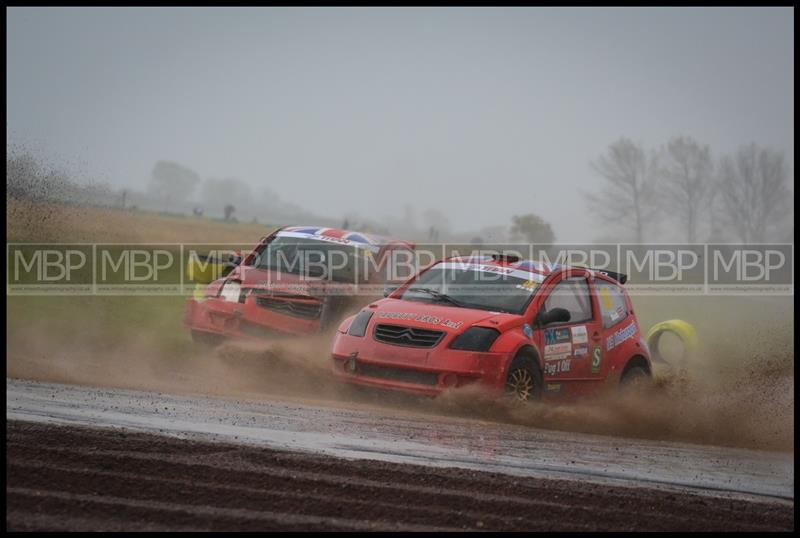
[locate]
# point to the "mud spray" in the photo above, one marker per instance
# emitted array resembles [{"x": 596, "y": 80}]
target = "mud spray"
[{"x": 737, "y": 391}]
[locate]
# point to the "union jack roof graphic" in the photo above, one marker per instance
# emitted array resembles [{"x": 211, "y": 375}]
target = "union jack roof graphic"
[{"x": 346, "y": 236}]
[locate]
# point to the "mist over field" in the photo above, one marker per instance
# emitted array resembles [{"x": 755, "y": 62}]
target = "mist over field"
[{"x": 432, "y": 124}]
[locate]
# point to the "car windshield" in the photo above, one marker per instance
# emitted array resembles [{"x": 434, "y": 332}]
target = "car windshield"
[
  {"x": 312, "y": 258},
  {"x": 486, "y": 287}
]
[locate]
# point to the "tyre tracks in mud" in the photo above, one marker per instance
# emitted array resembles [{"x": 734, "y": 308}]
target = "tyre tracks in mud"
[
  {"x": 77, "y": 478},
  {"x": 397, "y": 436}
]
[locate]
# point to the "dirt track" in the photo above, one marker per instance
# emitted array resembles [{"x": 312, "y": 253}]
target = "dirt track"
[
  {"x": 68, "y": 478},
  {"x": 399, "y": 435}
]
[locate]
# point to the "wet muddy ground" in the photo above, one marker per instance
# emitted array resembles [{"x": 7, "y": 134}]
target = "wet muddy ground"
[
  {"x": 399, "y": 435},
  {"x": 82, "y": 458},
  {"x": 78, "y": 478}
]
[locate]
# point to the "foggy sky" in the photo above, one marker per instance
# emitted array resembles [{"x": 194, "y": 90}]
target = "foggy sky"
[{"x": 482, "y": 113}]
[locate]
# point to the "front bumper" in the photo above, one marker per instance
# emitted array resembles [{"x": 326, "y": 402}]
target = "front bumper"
[
  {"x": 243, "y": 320},
  {"x": 422, "y": 371}
]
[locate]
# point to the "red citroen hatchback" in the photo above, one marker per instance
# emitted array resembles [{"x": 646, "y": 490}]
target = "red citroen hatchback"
[{"x": 533, "y": 330}]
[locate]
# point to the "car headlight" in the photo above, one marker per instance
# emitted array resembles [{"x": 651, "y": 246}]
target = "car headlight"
[
  {"x": 231, "y": 291},
  {"x": 360, "y": 322},
  {"x": 475, "y": 339}
]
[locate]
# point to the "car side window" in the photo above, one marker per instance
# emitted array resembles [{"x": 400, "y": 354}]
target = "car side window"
[
  {"x": 571, "y": 294},
  {"x": 612, "y": 303}
]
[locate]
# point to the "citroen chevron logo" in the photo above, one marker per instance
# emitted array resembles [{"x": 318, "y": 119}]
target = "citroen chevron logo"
[{"x": 407, "y": 335}]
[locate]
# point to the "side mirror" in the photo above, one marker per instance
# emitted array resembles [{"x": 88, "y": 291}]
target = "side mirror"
[
  {"x": 556, "y": 315},
  {"x": 234, "y": 259},
  {"x": 388, "y": 290}
]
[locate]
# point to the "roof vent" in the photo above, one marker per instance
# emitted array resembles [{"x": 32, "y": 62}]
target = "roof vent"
[{"x": 508, "y": 258}]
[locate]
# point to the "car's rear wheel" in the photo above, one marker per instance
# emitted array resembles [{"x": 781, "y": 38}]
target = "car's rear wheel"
[
  {"x": 635, "y": 376},
  {"x": 524, "y": 380}
]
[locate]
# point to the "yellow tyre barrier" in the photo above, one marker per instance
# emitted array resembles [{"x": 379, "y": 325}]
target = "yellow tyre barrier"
[
  {"x": 199, "y": 292},
  {"x": 684, "y": 331},
  {"x": 204, "y": 269}
]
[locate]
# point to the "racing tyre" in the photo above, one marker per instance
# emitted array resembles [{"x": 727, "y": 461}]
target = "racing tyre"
[
  {"x": 524, "y": 381},
  {"x": 207, "y": 339},
  {"x": 331, "y": 312},
  {"x": 327, "y": 313},
  {"x": 635, "y": 376}
]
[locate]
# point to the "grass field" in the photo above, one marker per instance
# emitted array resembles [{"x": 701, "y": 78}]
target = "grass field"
[
  {"x": 31, "y": 222},
  {"x": 107, "y": 322},
  {"x": 736, "y": 327}
]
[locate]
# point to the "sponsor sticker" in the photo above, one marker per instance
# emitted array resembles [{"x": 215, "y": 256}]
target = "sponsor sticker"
[
  {"x": 529, "y": 286},
  {"x": 451, "y": 324},
  {"x": 494, "y": 269},
  {"x": 556, "y": 336},
  {"x": 596, "y": 360},
  {"x": 620, "y": 336},
  {"x": 557, "y": 351},
  {"x": 579, "y": 335},
  {"x": 422, "y": 318},
  {"x": 528, "y": 331},
  {"x": 605, "y": 298},
  {"x": 527, "y": 276},
  {"x": 580, "y": 351},
  {"x": 557, "y": 367},
  {"x": 553, "y": 387}
]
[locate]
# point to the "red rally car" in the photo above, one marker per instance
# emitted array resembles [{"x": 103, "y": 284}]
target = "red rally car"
[
  {"x": 296, "y": 281},
  {"x": 530, "y": 329}
]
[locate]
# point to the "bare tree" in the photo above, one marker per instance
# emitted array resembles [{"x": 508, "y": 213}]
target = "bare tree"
[
  {"x": 532, "y": 228},
  {"x": 494, "y": 234},
  {"x": 438, "y": 224},
  {"x": 686, "y": 171},
  {"x": 217, "y": 194},
  {"x": 630, "y": 190},
  {"x": 170, "y": 181},
  {"x": 754, "y": 191},
  {"x": 229, "y": 209},
  {"x": 715, "y": 219}
]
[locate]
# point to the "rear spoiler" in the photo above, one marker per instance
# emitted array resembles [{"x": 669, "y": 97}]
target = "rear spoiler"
[{"x": 619, "y": 277}]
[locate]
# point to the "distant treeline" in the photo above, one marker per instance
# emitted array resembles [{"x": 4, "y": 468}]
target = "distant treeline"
[
  {"x": 172, "y": 189},
  {"x": 681, "y": 192}
]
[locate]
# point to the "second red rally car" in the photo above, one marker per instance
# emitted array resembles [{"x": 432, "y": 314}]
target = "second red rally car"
[{"x": 296, "y": 281}]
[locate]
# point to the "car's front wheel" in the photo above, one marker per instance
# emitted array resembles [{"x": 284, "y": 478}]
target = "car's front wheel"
[
  {"x": 524, "y": 380},
  {"x": 207, "y": 339},
  {"x": 331, "y": 312}
]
